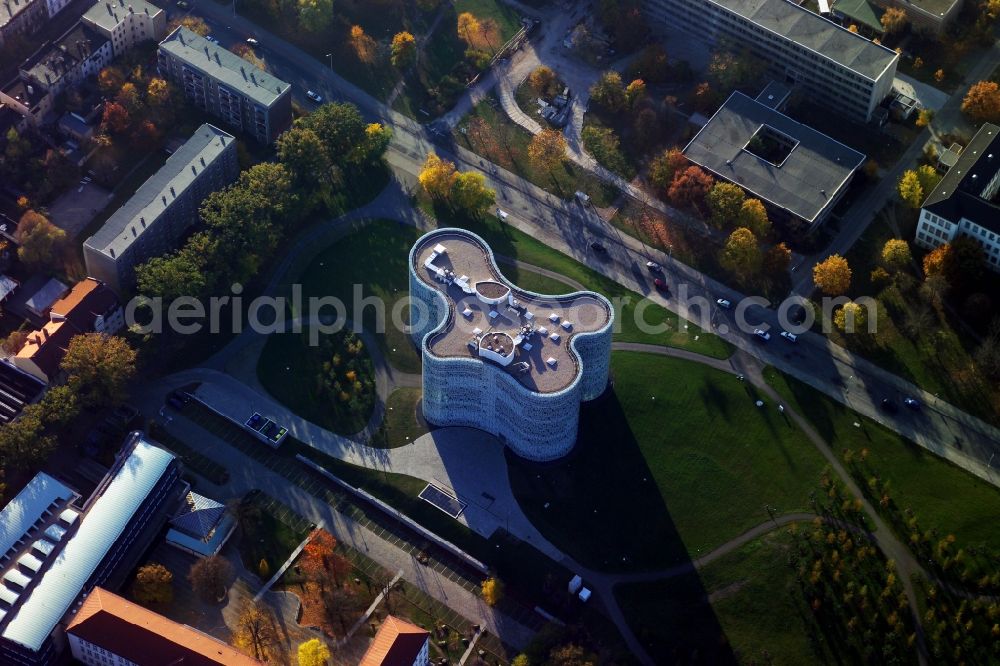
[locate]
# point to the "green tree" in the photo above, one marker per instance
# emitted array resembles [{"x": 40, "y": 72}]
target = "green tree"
[
  {"x": 40, "y": 243},
  {"x": 741, "y": 254},
  {"x": 850, "y": 318},
  {"x": 731, "y": 70},
  {"x": 753, "y": 216},
  {"x": 373, "y": 144},
  {"x": 24, "y": 444},
  {"x": 609, "y": 91},
  {"x": 342, "y": 130},
  {"x": 725, "y": 201},
  {"x": 304, "y": 155},
  {"x": 403, "y": 50},
  {"x": 603, "y": 144},
  {"x": 154, "y": 584},
  {"x": 98, "y": 368},
  {"x": 315, "y": 16},
  {"x": 928, "y": 177},
  {"x": 910, "y": 189},
  {"x": 59, "y": 406},
  {"x": 470, "y": 193},
  {"x": 180, "y": 273},
  {"x": 313, "y": 653},
  {"x": 896, "y": 254}
]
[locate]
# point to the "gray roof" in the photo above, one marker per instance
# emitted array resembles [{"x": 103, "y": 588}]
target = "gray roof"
[
  {"x": 11, "y": 8},
  {"x": 959, "y": 194},
  {"x": 43, "y": 299},
  {"x": 109, "y": 13},
  {"x": 198, "y": 515},
  {"x": 814, "y": 32},
  {"x": 225, "y": 66},
  {"x": 159, "y": 192},
  {"x": 806, "y": 181}
]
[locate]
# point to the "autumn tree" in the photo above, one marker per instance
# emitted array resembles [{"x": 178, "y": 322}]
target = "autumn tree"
[
  {"x": 741, "y": 253},
  {"x": 777, "y": 259},
  {"x": 893, "y": 20},
  {"x": 157, "y": 91},
  {"x": 939, "y": 75},
  {"x": 210, "y": 576},
  {"x": 436, "y": 176},
  {"x": 492, "y": 590},
  {"x": 730, "y": 70},
  {"x": 403, "y": 50},
  {"x": 924, "y": 118},
  {"x": 547, "y": 149},
  {"x": 832, "y": 275},
  {"x": 850, "y": 317},
  {"x": 246, "y": 52},
  {"x": 665, "y": 166},
  {"x": 154, "y": 584},
  {"x": 705, "y": 97},
  {"x": 690, "y": 186},
  {"x": 928, "y": 177},
  {"x": 98, "y": 367},
  {"x": 725, "y": 201},
  {"x": 195, "y": 24},
  {"x": 960, "y": 263},
  {"x": 128, "y": 97},
  {"x": 469, "y": 29},
  {"x": 14, "y": 341},
  {"x": 115, "y": 118},
  {"x": 470, "y": 194},
  {"x": 910, "y": 190},
  {"x": 544, "y": 81},
  {"x": 110, "y": 80},
  {"x": 753, "y": 216},
  {"x": 896, "y": 254},
  {"x": 609, "y": 91},
  {"x": 40, "y": 243},
  {"x": 313, "y": 652},
  {"x": 634, "y": 92},
  {"x": 256, "y": 631},
  {"x": 363, "y": 45},
  {"x": 315, "y": 16},
  {"x": 982, "y": 102}
]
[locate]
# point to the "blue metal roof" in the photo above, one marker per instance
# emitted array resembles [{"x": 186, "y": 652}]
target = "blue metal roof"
[
  {"x": 24, "y": 510},
  {"x": 107, "y": 518}
]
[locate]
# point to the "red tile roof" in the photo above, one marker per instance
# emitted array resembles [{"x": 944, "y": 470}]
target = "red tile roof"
[
  {"x": 397, "y": 643},
  {"x": 88, "y": 299},
  {"x": 144, "y": 637},
  {"x": 47, "y": 346}
]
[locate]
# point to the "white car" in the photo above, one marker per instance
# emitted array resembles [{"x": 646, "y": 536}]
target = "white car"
[
  {"x": 762, "y": 334},
  {"x": 723, "y": 303},
  {"x": 314, "y": 96},
  {"x": 252, "y": 42},
  {"x": 211, "y": 39},
  {"x": 791, "y": 337},
  {"x": 654, "y": 267}
]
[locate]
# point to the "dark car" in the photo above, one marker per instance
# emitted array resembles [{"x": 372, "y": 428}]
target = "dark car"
[
  {"x": 597, "y": 247},
  {"x": 660, "y": 285},
  {"x": 888, "y": 405},
  {"x": 912, "y": 403}
]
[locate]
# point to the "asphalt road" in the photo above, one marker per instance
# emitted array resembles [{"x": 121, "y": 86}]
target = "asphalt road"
[{"x": 570, "y": 227}]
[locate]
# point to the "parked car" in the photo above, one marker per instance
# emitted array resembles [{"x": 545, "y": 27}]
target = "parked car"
[
  {"x": 888, "y": 405},
  {"x": 314, "y": 96},
  {"x": 583, "y": 197},
  {"x": 912, "y": 403},
  {"x": 211, "y": 39},
  {"x": 654, "y": 267},
  {"x": 791, "y": 337},
  {"x": 252, "y": 42},
  {"x": 762, "y": 334},
  {"x": 660, "y": 285},
  {"x": 723, "y": 303},
  {"x": 597, "y": 247},
  {"x": 183, "y": 4}
]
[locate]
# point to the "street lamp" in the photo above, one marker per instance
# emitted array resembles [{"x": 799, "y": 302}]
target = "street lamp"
[{"x": 328, "y": 55}]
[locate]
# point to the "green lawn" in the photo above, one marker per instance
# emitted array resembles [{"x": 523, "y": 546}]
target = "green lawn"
[
  {"x": 326, "y": 384},
  {"x": 695, "y": 463},
  {"x": 270, "y": 533},
  {"x": 516, "y": 244},
  {"x": 506, "y": 144},
  {"x": 942, "y": 496},
  {"x": 401, "y": 426},
  {"x": 532, "y": 281}
]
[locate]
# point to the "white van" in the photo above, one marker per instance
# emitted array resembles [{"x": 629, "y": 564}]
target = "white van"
[
  {"x": 583, "y": 197},
  {"x": 502, "y": 215}
]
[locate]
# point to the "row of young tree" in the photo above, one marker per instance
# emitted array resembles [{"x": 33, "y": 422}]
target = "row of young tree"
[{"x": 244, "y": 224}]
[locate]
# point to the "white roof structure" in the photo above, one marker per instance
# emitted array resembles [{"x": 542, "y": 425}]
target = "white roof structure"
[
  {"x": 106, "y": 519},
  {"x": 41, "y": 493}
]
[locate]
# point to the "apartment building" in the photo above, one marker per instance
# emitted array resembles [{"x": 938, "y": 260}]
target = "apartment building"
[
  {"x": 931, "y": 16},
  {"x": 837, "y": 68},
  {"x": 162, "y": 209},
  {"x": 126, "y": 23},
  {"x": 55, "y": 548},
  {"x": 800, "y": 174},
  {"x": 967, "y": 200},
  {"x": 226, "y": 85},
  {"x": 108, "y": 630},
  {"x": 508, "y": 361},
  {"x": 20, "y": 18},
  {"x": 78, "y": 53}
]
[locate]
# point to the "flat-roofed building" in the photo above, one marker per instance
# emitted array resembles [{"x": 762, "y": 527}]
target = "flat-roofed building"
[
  {"x": 967, "y": 200},
  {"x": 798, "y": 172},
  {"x": 837, "y": 68},
  {"x": 60, "y": 550},
  {"x": 162, "y": 209},
  {"x": 108, "y": 630},
  {"x": 514, "y": 363},
  {"x": 226, "y": 85},
  {"x": 126, "y": 23},
  {"x": 931, "y": 16}
]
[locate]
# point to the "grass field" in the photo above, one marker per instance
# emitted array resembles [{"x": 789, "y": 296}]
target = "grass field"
[
  {"x": 506, "y": 144},
  {"x": 271, "y": 533},
  {"x": 299, "y": 376},
  {"x": 401, "y": 426},
  {"x": 942, "y": 496},
  {"x": 695, "y": 463}
]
